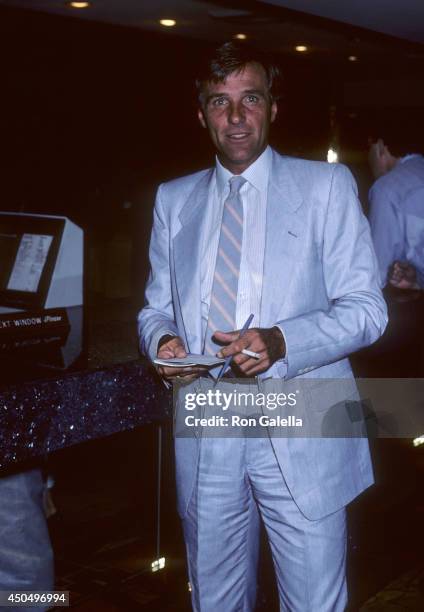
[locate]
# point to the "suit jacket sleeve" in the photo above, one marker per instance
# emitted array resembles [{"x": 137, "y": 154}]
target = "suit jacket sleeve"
[
  {"x": 157, "y": 317},
  {"x": 357, "y": 313}
]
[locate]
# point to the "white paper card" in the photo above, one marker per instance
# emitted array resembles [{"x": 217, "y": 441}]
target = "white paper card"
[{"x": 207, "y": 361}]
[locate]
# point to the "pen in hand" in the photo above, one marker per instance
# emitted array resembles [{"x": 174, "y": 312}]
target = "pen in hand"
[{"x": 228, "y": 360}]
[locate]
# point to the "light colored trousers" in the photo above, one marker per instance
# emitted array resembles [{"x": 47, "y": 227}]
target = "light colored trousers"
[{"x": 236, "y": 478}]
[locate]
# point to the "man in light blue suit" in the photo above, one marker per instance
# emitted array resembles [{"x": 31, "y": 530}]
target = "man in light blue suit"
[{"x": 307, "y": 271}]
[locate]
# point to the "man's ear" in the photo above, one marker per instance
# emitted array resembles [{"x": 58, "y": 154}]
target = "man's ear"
[
  {"x": 274, "y": 110},
  {"x": 383, "y": 150},
  {"x": 381, "y": 147},
  {"x": 201, "y": 117},
  {"x": 387, "y": 151}
]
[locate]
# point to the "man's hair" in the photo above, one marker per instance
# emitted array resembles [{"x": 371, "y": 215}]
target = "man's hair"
[
  {"x": 232, "y": 58},
  {"x": 402, "y": 137}
]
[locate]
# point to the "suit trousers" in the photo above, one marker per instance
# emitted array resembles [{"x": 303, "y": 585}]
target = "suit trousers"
[{"x": 238, "y": 478}]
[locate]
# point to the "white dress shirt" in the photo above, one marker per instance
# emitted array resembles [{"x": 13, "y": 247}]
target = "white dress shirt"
[{"x": 254, "y": 199}]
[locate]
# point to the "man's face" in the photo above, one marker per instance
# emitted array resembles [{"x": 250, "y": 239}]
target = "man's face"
[
  {"x": 379, "y": 158},
  {"x": 238, "y": 113}
]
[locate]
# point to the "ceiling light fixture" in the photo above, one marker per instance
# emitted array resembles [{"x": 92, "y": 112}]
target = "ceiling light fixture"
[
  {"x": 168, "y": 23},
  {"x": 240, "y": 36},
  {"x": 79, "y": 5},
  {"x": 352, "y": 58},
  {"x": 301, "y": 48}
]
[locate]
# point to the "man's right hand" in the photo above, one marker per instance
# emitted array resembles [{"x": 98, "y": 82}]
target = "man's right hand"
[
  {"x": 403, "y": 275},
  {"x": 173, "y": 346}
]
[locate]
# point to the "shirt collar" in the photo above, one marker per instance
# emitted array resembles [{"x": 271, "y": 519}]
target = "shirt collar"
[
  {"x": 409, "y": 156},
  {"x": 256, "y": 174}
]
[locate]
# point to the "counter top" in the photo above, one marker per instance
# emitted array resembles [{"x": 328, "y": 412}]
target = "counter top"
[
  {"x": 106, "y": 390},
  {"x": 39, "y": 417}
]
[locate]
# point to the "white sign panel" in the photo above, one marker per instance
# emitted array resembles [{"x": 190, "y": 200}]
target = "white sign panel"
[{"x": 29, "y": 263}]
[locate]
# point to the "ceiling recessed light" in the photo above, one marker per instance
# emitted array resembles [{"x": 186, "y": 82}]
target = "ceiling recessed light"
[
  {"x": 240, "y": 36},
  {"x": 301, "y": 48},
  {"x": 352, "y": 58},
  {"x": 79, "y": 5},
  {"x": 168, "y": 23}
]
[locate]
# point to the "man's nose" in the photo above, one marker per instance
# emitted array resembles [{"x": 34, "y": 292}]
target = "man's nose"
[{"x": 236, "y": 114}]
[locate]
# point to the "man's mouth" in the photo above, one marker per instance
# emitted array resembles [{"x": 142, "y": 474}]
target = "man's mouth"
[{"x": 238, "y": 136}]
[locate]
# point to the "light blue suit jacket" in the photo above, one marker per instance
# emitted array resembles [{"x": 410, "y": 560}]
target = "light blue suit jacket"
[{"x": 320, "y": 285}]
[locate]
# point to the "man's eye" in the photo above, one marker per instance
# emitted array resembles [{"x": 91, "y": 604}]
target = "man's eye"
[
  {"x": 219, "y": 102},
  {"x": 251, "y": 99}
]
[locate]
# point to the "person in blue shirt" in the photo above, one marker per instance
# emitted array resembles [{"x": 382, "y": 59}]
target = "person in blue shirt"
[{"x": 397, "y": 215}]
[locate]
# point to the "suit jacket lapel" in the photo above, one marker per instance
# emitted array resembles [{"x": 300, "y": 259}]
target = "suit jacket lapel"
[
  {"x": 187, "y": 258},
  {"x": 285, "y": 233}
]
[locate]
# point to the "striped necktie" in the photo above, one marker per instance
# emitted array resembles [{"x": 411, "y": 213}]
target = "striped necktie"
[{"x": 222, "y": 310}]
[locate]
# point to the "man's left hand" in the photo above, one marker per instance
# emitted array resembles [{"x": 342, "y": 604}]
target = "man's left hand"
[{"x": 267, "y": 342}]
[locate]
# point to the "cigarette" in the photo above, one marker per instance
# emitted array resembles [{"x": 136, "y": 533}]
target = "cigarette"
[{"x": 251, "y": 354}]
